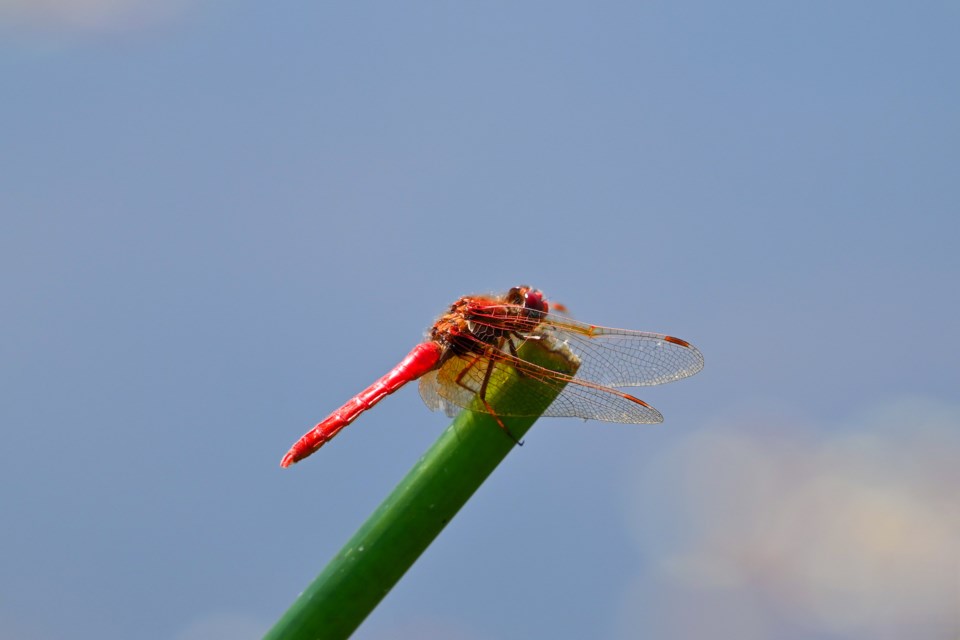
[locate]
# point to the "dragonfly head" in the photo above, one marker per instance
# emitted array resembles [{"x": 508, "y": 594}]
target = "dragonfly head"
[{"x": 531, "y": 299}]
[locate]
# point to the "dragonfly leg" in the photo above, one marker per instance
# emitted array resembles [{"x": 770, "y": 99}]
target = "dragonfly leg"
[
  {"x": 482, "y": 392},
  {"x": 513, "y": 350}
]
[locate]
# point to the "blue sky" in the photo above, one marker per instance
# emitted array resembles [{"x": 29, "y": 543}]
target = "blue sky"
[{"x": 220, "y": 220}]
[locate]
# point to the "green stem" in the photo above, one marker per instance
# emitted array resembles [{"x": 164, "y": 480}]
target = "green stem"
[{"x": 418, "y": 509}]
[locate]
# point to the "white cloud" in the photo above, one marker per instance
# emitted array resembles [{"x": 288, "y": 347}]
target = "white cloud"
[{"x": 854, "y": 533}]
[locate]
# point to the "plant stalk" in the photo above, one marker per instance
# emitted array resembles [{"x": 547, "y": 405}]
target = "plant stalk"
[{"x": 417, "y": 510}]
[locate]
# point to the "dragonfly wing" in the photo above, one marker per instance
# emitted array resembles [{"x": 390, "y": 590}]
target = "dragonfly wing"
[
  {"x": 624, "y": 358},
  {"x": 593, "y": 402},
  {"x": 466, "y": 381},
  {"x": 459, "y": 382},
  {"x": 431, "y": 393},
  {"x": 575, "y": 397},
  {"x": 608, "y": 357}
]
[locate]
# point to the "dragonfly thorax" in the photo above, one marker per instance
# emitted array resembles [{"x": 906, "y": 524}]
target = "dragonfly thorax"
[{"x": 475, "y": 323}]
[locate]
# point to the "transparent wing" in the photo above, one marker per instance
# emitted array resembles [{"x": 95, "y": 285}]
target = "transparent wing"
[
  {"x": 463, "y": 379},
  {"x": 608, "y": 357},
  {"x": 622, "y": 357}
]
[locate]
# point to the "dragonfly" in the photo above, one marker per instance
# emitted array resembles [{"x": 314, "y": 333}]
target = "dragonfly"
[{"x": 466, "y": 351}]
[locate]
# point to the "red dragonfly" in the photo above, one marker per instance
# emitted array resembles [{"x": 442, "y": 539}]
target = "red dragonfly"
[{"x": 482, "y": 333}]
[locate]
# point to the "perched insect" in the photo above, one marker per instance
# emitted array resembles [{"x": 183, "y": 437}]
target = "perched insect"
[{"x": 482, "y": 334}]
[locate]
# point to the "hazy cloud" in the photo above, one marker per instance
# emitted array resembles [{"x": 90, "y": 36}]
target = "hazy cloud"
[{"x": 854, "y": 531}]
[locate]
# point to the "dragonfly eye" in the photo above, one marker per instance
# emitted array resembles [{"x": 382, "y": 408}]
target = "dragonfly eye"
[{"x": 533, "y": 300}]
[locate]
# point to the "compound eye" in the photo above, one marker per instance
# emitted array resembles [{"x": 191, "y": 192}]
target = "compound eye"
[{"x": 534, "y": 301}]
